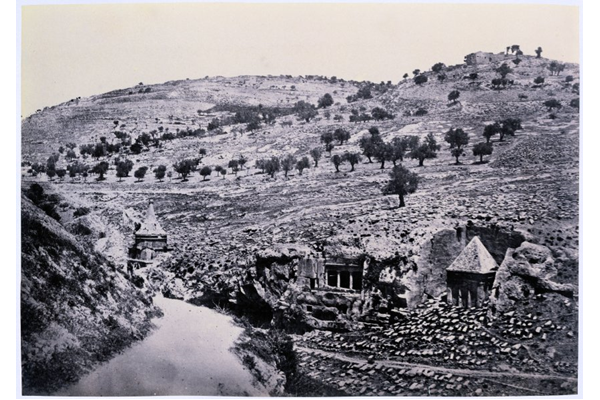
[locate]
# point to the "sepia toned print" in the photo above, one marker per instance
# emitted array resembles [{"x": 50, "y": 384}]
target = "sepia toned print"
[{"x": 320, "y": 200}]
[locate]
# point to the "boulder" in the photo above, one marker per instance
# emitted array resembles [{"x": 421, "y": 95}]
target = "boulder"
[{"x": 525, "y": 272}]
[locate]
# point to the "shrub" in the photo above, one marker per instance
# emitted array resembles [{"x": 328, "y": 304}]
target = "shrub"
[{"x": 420, "y": 79}]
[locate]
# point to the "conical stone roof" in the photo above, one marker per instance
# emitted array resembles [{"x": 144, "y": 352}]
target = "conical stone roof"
[
  {"x": 474, "y": 259},
  {"x": 150, "y": 226}
]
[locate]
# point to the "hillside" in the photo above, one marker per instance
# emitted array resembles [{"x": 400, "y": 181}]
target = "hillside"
[
  {"x": 77, "y": 308},
  {"x": 239, "y": 238}
]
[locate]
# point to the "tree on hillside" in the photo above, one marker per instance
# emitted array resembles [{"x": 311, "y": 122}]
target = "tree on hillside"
[
  {"x": 504, "y": 70},
  {"x": 51, "y": 173},
  {"x": 272, "y": 166},
  {"x": 327, "y": 138},
  {"x": 453, "y": 96},
  {"x": 491, "y": 130},
  {"x": 420, "y": 79},
  {"x": 383, "y": 152},
  {"x": 337, "y": 161},
  {"x": 302, "y": 164},
  {"x": 234, "y": 165},
  {"x": 379, "y": 114},
  {"x": 242, "y": 161},
  {"x": 316, "y": 155},
  {"x": 123, "y": 167},
  {"x": 369, "y": 142},
  {"x": 405, "y": 76},
  {"x": 556, "y": 68},
  {"x": 159, "y": 172},
  {"x": 184, "y": 168},
  {"x": 205, "y": 171},
  {"x": 352, "y": 158},
  {"x": 325, "y": 101},
  {"x": 402, "y": 182},
  {"x": 538, "y": 52},
  {"x": 305, "y": 111},
  {"x": 437, "y": 67},
  {"x": 441, "y": 77},
  {"x": 513, "y": 123},
  {"x": 329, "y": 147},
  {"x": 99, "y": 151},
  {"x": 140, "y": 173},
  {"x": 514, "y": 48},
  {"x": 457, "y": 138},
  {"x": 416, "y": 72},
  {"x": 482, "y": 149},
  {"x": 539, "y": 80},
  {"x": 61, "y": 173},
  {"x": 223, "y": 172},
  {"x": 341, "y": 135},
  {"x": 288, "y": 163},
  {"x": 136, "y": 148},
  {"x": 101, "y": 168},
  {"x": 427, "y": 150},
  {"x": 400, "y": 145}
]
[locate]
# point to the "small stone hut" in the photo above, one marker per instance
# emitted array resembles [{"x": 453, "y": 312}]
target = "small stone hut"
[{"x": 471, "y": 275}]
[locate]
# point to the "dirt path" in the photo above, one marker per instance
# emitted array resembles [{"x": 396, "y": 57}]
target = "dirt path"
[{"x": 454, "y": 371}]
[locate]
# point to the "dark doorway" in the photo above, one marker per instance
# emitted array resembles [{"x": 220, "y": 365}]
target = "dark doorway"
[{"x": 345, "y": 279}]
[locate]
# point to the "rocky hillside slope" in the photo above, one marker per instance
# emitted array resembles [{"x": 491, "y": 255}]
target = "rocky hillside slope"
[
  {"x": 77, "y": 308},
  {"x": 232, "y": 233}
]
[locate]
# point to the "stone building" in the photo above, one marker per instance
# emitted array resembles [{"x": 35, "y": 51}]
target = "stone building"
[
  {"x": 481, "y": 57},
  {"x": 337, "y": 273},
  {"x": 148, "y": 240},
  {"x": 471, "y": 276}
]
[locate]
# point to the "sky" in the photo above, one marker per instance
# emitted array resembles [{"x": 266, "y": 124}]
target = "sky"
[{"x": 69, "y": 51}]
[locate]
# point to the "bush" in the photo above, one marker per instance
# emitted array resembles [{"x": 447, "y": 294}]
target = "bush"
[
  {"x": 453, "y": 96},
  {"x": 437, "y": 67},
  {"x": 575, "y": 103},
  {"x": 552, "y": 104},
  {"x": 420, "y": 79}
]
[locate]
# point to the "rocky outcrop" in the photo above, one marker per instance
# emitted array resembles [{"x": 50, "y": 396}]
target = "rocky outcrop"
[
  {"x": 77, "y": 308},
  {"x": 526, "y": 272}
]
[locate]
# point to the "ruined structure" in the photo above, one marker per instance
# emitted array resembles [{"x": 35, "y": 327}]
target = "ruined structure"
[
  {"x": 148, "y": 240},
  {"x": 481, "y": 57},
  {"x": 471, "y": 276}
]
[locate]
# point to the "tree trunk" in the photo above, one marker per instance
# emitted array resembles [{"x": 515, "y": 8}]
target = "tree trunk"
[
  {"x": 457, "y": 162},
  {"x": 383, "y": 164},
  {"x": 401, "y": 201},
  {"x": 352, "y": 169},
  {"x": 421, "y": 162},
  {"x": 370, "y": 159},
  {"x": 481, "y": 158}
]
